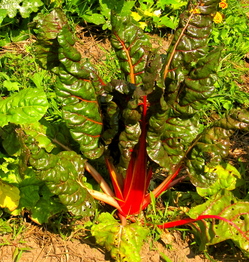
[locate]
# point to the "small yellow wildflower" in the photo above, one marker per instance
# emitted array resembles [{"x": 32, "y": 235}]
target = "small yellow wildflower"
[
  {"x": 136, "y": 16},
  {"x": 223, "y": 4},
  {"x": 195, "y": 11},
  {"x": 218, "y": 18},
  {"x": 142, "y": 25}
]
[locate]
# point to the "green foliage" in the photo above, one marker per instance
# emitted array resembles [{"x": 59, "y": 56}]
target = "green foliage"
[
  {"x": 123, "y": 242},
  {"x": 11, "y": 28},
  {"x": 233, "y": 35},
  {"x": 25, "y": 7},
  {"x": 149, "y": 117},
  {"x": 152, "y": 15},
  {"x": 33, "y": 196},
  {"x": 63, "y": 174}
]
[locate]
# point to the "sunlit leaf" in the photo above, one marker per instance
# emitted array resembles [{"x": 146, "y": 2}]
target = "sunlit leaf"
[{"x": 9, "y": 196}]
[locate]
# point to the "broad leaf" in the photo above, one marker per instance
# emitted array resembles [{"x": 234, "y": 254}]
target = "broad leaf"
[
  {"x": 212, "y": 145},
  {"x": 123, "y": 242},
  {"x": 131, "y": 47},
  {"x": 63, "y": 174},
  {"x": 40, "y": 134},
  {"x": 75, "y": 88},
  {"x": 25, "y": 107},
  {"x": 231, "y": 221},
  {"x": 46, "y": 206},
  {"x": 189, "y": 76}
]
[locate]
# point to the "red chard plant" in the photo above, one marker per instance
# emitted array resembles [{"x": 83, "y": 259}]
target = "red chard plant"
[{"x": 147, "y": 120}]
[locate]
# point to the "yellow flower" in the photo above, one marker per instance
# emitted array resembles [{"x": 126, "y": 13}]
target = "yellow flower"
[
  {"x": 142, "y": 25},
  {"x": 136, "y": 16},
  {"x": 195, "y": 11},
  {"x": 223, "y": 4},
  {"x": 218, "y": 18}
]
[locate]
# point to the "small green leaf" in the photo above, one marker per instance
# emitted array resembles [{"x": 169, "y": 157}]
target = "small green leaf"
[
  {"x": 97, "y": 19},
  {"x": 123, "y": 242},
  {"x": 63, "y": 175},
  {"x": 3, "y": 14},
  {"x": 39, "y": 132}
]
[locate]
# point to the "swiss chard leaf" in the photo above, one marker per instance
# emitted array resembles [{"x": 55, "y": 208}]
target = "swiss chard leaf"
[
  {"x": 131, "y": 47},
  {"x": 212, "y": 145},
  {"x": 123, "y": 242},
  {"x": 63, "y": 174},
  {"x": 75, "y": 88},
  {"x": 189, "y": 76},
  {"x": 231, "y": 221},
  {"x": 226, "y": 177}
]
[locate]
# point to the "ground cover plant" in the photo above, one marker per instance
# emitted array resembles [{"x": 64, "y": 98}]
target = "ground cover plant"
[{"x": 147, "y": 120}]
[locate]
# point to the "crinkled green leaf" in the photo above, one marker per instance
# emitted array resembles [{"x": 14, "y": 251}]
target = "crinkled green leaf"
[
  {"x": 190, "y": 67},
  {"x": 25, "y": 107},
  {"x": 189, "y": 76},
  {"x": 123, "y": 242},
  {"x": 209, "y": 149},
  {"x": 25, "y": 7},
  {"x": 237, "y": 119},
  {"x": 168, "y": 140},
  {"x": 126, "y": 110},
  {"x": 36, "y": 198},
  {"x": 131, "y": 46},
  {"x": 234, "y": 226},
  {"x": 46, "y": 45},
  {"x": 75, "y": 87},
  {"x": 227, "y": 177},
  {"x": 63, "y": 174},
  {"x": 212, "y": 146}
]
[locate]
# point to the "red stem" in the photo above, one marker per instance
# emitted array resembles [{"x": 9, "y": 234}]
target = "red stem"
[
  {"x": 162, "y": 187},
  {"x": 191, "y": 220},
  {"x": 135, "y": 184}
]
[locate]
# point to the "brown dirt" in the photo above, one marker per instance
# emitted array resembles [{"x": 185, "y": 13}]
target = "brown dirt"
[{"x": 36, "y": 244}]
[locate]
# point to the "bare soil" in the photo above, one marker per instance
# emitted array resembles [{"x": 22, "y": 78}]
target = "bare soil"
[{"x": 37, "y": 244}]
